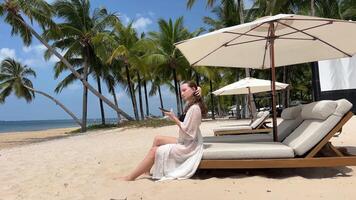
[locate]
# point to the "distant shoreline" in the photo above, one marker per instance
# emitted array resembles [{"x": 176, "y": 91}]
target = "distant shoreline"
[
  {"x": 40, "y": 125},
  {"x": 19, "y": 138}
]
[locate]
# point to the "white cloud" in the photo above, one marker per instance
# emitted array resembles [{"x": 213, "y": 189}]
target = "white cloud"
[
  {"x": 6, "y": 52},
  {"x": 38, "y": 49},
  {"x": 34, "y": 56},
  {"x": 142, "y": 23},
  {"x": 124, "y": 18},
  {"x": 53, "y": 59},
  {"x": 29, "y": 62}
]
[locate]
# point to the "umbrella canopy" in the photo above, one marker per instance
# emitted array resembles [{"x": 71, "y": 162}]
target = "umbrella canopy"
[
  {"x": 298, "y": 39},
  {"x": 273, "y": 41},
  {"x": 249, "y": 85}
]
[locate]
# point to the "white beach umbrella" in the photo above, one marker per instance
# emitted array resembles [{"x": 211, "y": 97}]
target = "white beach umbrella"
[
  {"x": 249, "y": 86},
  {"x": 271, "y": 42}
]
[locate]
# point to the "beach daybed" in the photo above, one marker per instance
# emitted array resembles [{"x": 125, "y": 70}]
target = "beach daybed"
[
  {"x": 302, "y": 148},
  {"x": 257, "y": 126},
  {"x": 291, "y": 119}
]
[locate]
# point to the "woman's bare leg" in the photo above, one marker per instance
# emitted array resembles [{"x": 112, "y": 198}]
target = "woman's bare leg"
[
  {"x": 161, "y": 140},
  {"x": 144, "y": 166}
]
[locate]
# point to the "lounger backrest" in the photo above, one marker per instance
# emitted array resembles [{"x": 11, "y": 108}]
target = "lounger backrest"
[
  {"x": 261, "y": 117},
  {"x": 319, "y": 118},
  {"x": 291, "y": 120}
]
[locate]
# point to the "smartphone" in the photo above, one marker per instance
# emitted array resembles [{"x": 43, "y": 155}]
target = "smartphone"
[{"x": 164, "y": 110}]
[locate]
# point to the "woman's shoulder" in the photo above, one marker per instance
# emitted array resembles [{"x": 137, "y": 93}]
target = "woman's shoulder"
[{"x": 195, "y": 107}]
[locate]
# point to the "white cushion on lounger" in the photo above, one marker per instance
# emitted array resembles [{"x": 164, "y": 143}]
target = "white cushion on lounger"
[
  {"x": 246, "y": 150},
  {"x": 312, "y": 131},
  {"x": 285, "y": 127},
  {"x": 343, "y": 106},
  {"x": 232, "y": 128},
  {"x": 239, "y": 138},
  {"x": 291, "y": 112},
  {"x": 318, "y": 110},
  {"x": 261, "y": 117},
  {"x": 309, "y": 133}
]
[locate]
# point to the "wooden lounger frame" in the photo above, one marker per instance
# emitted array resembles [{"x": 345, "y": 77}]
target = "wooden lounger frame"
[{"x": 309, "y": 160}]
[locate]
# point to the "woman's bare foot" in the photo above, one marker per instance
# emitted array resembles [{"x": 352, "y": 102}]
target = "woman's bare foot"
[{"x": 123, "y": 178}]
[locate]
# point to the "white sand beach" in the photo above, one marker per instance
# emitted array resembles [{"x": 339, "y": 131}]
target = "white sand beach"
[{"x": 83, "y": 167}]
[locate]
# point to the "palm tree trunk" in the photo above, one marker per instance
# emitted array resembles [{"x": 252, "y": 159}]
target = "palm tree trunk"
[
  {"x": 76, "y": 74},
  {"x": 247, "y": 70},
  {"x": 284, "y": 91},
  {"x": 115, "y": 101},
  {"x": 235, "y": 97},
  {"x": 240, "y": 6},
  {"x": 140, "y": 95},
  {"x": 85, "y": 97},
  {"x": 180, "y": 98},
  {"x": 56, "y": 102},
  {"x": 132, "y": 93},
  {"x": 176, "y": 91},
  {"x": 212, "y": 100},
  {"x": 288, "y": 88},
  {"x": 219, "y": 107},
  {"x": 160, "y": 97},
  {"x": 146, "y": 98},
  {"x": 197, "y": 78},
  {"x": 101, "y": 102},
  {"x": 312, "y": 7}
]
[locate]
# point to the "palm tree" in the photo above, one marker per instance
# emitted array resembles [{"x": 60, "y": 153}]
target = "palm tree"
[
  {"x": 128, "y": 48},
  {"x": 211, "y": 75},
  {"x": 172, "y": 61},
  {"x": 14, "y": 78},
  {"x": 74, "y": 36},
  {"x": 41, "y": 12},
  {"x": 347, "y": 9},
  {"x": 109, "y": 78},
  {"x": 229, "y": 13}
]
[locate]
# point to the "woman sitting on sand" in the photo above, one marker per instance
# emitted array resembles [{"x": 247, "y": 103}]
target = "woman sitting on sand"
[{"x": 177, "y": 158}]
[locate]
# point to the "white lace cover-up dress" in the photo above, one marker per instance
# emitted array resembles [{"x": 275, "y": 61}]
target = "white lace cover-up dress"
[{"x": 181, "y": 160}]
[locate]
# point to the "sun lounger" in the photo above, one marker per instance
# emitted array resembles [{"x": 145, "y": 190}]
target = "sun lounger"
[
  {"x": 302, "y": 148},
  {"x": 291, "y": 119},
  {"x": 257, "y": 126}
]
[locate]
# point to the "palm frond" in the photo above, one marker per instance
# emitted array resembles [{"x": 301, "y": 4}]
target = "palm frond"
[{"x": 67, "y": 81}]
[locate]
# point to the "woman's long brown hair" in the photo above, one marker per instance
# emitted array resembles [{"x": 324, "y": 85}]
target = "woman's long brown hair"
[{"x": 196, "y": 100}]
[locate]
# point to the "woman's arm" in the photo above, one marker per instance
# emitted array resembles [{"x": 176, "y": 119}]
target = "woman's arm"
[
  {"x": 173, "y": 117},
  {"x": 191, "y": 122}
]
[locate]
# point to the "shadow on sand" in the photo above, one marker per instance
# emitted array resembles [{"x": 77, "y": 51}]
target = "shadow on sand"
[{"x": 308, "y": 173}]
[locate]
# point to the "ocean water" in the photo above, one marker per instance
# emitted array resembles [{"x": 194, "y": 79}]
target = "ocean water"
[{"x": 36, "y": 125}]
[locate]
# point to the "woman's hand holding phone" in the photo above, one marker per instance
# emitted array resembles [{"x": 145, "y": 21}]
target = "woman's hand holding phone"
[
  {"x": 164, "y": 110},
  {"x": 168, "y": 113}
]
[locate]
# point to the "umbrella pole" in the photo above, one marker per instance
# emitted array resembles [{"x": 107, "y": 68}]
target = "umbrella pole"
[{"x": 273, "y": 71}]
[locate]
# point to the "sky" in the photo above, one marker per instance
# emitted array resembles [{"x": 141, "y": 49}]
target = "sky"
[{"x": 145, "y": 15}]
